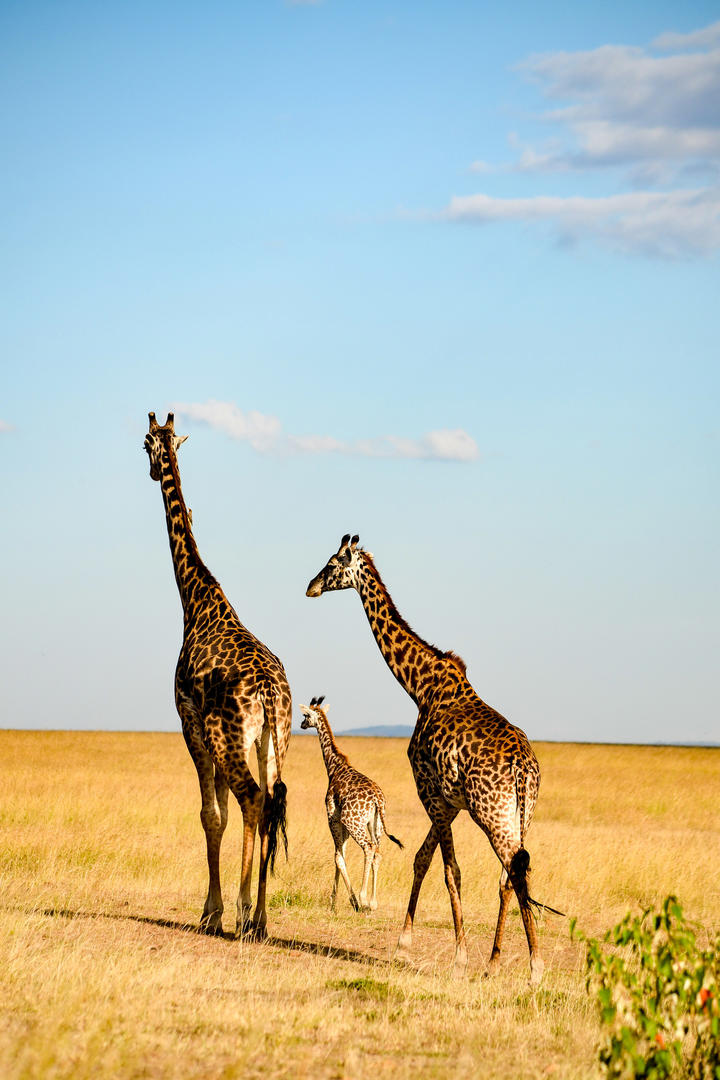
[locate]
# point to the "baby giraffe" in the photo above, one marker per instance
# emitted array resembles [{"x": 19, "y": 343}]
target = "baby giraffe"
[{"x": 355, "y": 807}]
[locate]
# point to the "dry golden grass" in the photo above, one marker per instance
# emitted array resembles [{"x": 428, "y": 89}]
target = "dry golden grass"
[{"x": 102, "y": 870}]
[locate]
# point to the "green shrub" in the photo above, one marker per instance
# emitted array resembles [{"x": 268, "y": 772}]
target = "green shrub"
[{"x": 657, "y": 994}]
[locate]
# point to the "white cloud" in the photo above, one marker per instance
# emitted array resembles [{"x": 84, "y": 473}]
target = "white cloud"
[
  {"x": 648, "y": 121},
  {"x": 674, "y": 224},
  {"x": 265, "y": 435},
  {"x": 697, "y": 39},
  {"x": 629, "y": 107}
]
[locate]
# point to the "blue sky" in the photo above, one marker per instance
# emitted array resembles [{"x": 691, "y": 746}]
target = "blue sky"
[{"x": 441, "y": 275}]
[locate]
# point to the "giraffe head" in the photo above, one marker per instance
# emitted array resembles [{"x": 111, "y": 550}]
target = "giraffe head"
[
  {"x": 310, "y": 712},
  {"x": 341, "y": 570},
  {"x": 160, "y": 439}
]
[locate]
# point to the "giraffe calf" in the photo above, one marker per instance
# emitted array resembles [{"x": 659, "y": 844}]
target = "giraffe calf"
[{"x": 355, "y": 807}]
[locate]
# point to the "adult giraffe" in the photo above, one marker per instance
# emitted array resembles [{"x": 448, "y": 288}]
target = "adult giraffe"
[
  {"x": 232, "y": 694},
  {"x": 464, "y": 755}
]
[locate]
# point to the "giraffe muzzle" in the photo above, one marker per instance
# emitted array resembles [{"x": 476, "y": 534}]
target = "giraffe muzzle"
[{"x": 315, "y": 587}]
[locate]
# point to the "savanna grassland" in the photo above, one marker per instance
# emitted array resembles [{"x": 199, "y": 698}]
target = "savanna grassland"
[{"x": 102, "y": 860}]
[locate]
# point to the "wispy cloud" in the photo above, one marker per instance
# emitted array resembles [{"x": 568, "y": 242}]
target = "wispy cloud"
[
  {"x": 648, "y": 121},
  {"x": 4, "y": 426},
  {"x": 266, "y": 436},
  {"x": 675, "y": 224},
  {"x": 630, "y": 108},
  {"x": 697, "y": 39}
]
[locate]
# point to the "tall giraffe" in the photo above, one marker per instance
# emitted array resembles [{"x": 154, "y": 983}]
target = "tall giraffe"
[
  {"x": 232, "y": 694},
  {"x": 464, "y": 756},
  {"x": 355, "y": 807}
]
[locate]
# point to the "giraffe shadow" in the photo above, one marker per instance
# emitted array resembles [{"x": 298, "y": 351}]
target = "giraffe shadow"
[{"x": 314, "y": 948}]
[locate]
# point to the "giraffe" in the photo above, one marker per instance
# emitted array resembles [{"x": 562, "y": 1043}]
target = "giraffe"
[
  {"x": 231, "y": 694},
  {"x": 464, "y": 756},
  {"x": 355, "y": 807}
]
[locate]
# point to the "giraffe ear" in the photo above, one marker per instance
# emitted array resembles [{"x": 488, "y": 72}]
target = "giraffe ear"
[
  {"x": 304, "y": 710},
  {"x": 179, "y": 440},
  {"x": 325, "y": 708}
]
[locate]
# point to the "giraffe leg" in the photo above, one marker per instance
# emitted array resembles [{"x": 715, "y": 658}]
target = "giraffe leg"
[
  {"x": 340, "y": 836},
  {"x": 505, "y": 893},
  {"x": 517, "y": 861},
  {"x": 519, "y": 865},
  {"x": 368, "y": 856},
  {"x": 251, "y": 810},
  {"x": 267, "y": 769},
  {"x": 375, "y": 868},
  {"x": 213, "y": 815},
  {"x": 376, "y": 831},
  {"x": 421, "y": 866},
  {"x": 452, "y": 881},
  {"x": 333, "y": 897}
]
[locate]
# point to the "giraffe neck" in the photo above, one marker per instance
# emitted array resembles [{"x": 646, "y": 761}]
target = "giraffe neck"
[
  {"x": 414, "y": 663},
  {"x": 331, "y": 755},
  {"x": 191, "y": 574}
]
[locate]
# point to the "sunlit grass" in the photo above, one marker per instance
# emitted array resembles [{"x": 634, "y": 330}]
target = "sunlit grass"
[{"x": 102, "y": 871}]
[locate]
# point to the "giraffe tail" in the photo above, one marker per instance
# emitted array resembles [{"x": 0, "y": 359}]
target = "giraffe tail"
[
  {"x": 520, "y": 862},
  {"x": 389, "y": 835},
  {"x": 276, "y": 804}
]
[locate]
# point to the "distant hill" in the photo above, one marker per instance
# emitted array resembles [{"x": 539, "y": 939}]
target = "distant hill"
[{"x": 381, "y": 731}]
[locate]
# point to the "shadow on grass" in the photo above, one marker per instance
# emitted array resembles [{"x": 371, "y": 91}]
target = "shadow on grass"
[{"x": 315, "y": 948}]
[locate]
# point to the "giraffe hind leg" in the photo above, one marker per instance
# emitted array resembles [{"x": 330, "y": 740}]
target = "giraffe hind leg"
[
  {"x": 505, "y": 893},
  {"x": 517, "y": 861},
  {"x": 360, "y": 836},
  {"x": 213, "y": 816}
]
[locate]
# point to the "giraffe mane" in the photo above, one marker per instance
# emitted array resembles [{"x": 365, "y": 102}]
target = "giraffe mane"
[
  {"x": 439, "y": 654},
  {"x": 331, "y": 735}
]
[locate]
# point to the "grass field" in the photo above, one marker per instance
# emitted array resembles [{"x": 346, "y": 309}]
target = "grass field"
[{"x": 103, "y": 879}]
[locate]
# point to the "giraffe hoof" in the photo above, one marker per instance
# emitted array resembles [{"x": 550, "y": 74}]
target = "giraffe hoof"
[
  {"x": 537, "y": 966},
  {"x": 211, "y": 923},
  {"x": 212, "y": 929}
]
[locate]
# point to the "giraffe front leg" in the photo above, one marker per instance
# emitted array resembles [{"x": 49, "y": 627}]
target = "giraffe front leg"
[{"x": 421, "y": 866}]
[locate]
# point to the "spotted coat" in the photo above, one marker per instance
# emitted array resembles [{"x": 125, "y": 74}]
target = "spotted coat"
[
  {"x": 355, "y": 808},
  {"x": 464, "y": 755},
  {"x": 232, "y": 695}
]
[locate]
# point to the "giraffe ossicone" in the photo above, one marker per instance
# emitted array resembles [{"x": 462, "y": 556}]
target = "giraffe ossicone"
[
  {"x": 464, "y": 756},
  {"x": 355, "y": 807},
  {"x": 232, "y": 695}
]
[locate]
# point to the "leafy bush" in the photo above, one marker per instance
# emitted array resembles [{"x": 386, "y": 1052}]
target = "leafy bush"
[{"x": 657, "y": 995}]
